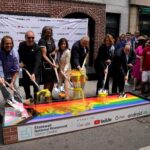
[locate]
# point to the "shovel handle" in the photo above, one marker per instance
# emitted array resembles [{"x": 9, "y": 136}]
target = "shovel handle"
[
  {"x": 10, "y": 86},
  {"x": 84, "y": 61},
  {"x": 55, "y": 69},
  {"x": 105, "y": 77},
  {"x": 27, "y": 72},
  {"x": 127, "y": 76}
]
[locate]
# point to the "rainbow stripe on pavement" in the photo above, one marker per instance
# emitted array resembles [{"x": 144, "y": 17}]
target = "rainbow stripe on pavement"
[{"x": 87, "y": 106}]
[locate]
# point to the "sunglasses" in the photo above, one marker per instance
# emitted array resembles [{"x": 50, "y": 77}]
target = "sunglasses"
[{"x": 30, "y": 37}]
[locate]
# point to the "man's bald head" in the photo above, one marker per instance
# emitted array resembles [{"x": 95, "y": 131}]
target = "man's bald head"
[
  {"x": 29, "y": 37},
  {"x": 28, "y": 33},
  {"x": 127, "y": 49}
]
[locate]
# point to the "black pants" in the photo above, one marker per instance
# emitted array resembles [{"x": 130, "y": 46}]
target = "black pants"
[
  {"x": 26, "y": 85},
  {"x": 28, "y": 91},
  {"x": 118, "y": 82}
]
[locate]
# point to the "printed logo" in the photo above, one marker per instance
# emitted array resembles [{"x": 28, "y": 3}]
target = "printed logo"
[
  {"x": 102, "y": 121},
  {"x": 119, "y": 117},
  {"x": 135, "y": 114},
  {"x": 4, "y": 32},
  {"x": 26, "y": 132},
  {"x": 96, "y": 122},
  {"x": 84, "y": 124},
  {"x": 145, "y": 112}
]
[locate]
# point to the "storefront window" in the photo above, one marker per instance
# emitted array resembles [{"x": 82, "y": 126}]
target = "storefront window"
[{"x": 144, "y": 20}]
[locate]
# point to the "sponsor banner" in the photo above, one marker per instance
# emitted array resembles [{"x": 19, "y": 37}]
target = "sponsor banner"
[
  {"x": 33, "y": 131},
  {"x": 16, "y": 26}
]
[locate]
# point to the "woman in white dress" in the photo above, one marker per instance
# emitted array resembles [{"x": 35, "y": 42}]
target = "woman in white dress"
[{"x": 63, "y": 61}]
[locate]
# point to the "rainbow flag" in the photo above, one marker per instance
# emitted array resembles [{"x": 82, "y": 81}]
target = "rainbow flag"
[{"x": 60, "y": 110}]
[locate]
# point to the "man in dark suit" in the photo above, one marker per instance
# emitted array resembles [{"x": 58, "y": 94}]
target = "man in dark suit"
[
  {"x": 122, "y": 61},
  {"x": 79, "y": 52}
]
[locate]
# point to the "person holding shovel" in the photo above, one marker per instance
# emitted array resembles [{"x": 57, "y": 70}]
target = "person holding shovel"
[
  {"x": 10, "y": 61},
  {"x": 104, "y": 58},
  {"x": 79, "y": 52},
  {"x": 30, "y": 59},
  {"x": 63, "y": 61},
  {"x": 79, "y": 55},
  {"x": 47, "y": 45},
  {"x": 123, "y": 61}
]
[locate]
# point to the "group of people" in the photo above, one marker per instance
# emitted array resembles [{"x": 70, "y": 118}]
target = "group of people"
[
  {"x": 127, "y": 60},
  {"x": 40, "y": 60}
]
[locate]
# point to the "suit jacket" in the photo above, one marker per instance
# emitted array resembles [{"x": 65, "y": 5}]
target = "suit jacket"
[
  {"x": 78, "y": 55},
  {"x": 104, "y": 54},
  {"x": 119, "y": 63}
]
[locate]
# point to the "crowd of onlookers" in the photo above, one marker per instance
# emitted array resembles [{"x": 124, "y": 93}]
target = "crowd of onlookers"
[{"x": 126, "y": 59}]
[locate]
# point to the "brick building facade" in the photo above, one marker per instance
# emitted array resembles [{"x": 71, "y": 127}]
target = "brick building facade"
[{"x": 61, "y": 9}]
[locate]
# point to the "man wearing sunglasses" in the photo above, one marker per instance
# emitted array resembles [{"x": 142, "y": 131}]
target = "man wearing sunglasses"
[{"x": 30, "y": 59}]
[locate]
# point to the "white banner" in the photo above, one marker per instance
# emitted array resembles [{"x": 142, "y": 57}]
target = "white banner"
[{"x": 16, "y": 26}]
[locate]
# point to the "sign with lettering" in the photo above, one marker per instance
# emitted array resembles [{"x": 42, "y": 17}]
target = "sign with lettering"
[
  {"x": 17, "y": 26},
  {"x": 32, "y": 131}
]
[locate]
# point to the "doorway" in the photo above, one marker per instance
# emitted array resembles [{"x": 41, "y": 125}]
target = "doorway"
[{"x": 91, "y": 33}]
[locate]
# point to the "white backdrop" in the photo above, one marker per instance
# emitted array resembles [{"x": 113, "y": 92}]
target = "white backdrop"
[{"x": 16, "y": 26}]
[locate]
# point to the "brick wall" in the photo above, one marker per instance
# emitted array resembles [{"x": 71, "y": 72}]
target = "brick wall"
[
  {"x": 59, "y": 8},
  {"x": 10, "y": 135}
]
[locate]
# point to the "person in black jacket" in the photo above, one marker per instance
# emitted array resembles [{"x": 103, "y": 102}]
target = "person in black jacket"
[
  {"x": 104, "y": 58},
  {"x": 123, "y": 60},
  {"x": 30, "y": 59},
  {"x": 79, "y": 52}
]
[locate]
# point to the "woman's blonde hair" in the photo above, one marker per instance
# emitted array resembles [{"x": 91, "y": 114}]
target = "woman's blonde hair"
[{"x": 110, "y": 37}]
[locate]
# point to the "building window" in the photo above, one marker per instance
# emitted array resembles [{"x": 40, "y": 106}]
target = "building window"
[
  {"x": 112, "y": 24},
  {"x": 144, "y": 20}
]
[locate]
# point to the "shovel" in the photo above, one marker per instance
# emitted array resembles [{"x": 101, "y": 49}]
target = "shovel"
[
  {"x": 105, "y": 78},
  {"x": 59, "y": 89},
  {"x": 71, "y": 84},
  {"x": 16, "y": 95},
  {"x": 15, "y": 101},
  {"x": 34, "y": 82},
  {"x": 84, "y": 61}
]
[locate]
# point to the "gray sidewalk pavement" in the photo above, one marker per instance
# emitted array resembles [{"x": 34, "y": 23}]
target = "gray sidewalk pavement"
[{"x": 127, "y": 135}]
